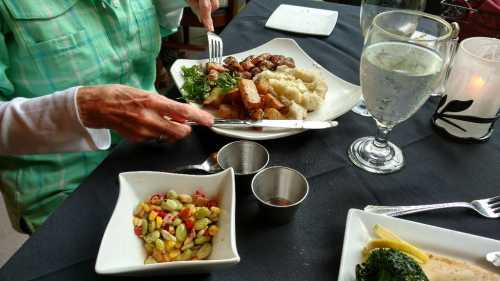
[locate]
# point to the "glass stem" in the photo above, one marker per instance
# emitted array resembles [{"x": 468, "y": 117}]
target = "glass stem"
[{"x": 380, "y": 140}]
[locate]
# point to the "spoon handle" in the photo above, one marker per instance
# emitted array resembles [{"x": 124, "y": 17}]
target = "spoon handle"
[{"x": 187, "y": 168}]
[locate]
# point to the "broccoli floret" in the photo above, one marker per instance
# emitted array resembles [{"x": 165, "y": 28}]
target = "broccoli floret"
[{"x": 389, "y": 265}]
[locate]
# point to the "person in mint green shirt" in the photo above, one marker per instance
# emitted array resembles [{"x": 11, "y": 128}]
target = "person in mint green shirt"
[{"x": 70, "y": 70}]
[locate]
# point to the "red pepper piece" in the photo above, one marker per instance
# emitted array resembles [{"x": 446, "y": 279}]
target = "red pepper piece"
[
  {"x": 212, "y": 203},
  {"x": 162, "y": 214},
  {"x": 189, "y": 223},
  {"x": 138, "y": 230},
  {"x": 184, "y": 214}
]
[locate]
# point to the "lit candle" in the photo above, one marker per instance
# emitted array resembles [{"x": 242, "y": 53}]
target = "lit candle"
[
  {"x": 476, "y": 85},
  {"x": 471, "y": 101}
]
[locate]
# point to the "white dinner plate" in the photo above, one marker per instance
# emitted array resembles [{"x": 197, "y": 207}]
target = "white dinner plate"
[
  {"x": 303, "y": 20},
  {"x": 340, "y": 98},
  {"x": 436, "y": 240}
]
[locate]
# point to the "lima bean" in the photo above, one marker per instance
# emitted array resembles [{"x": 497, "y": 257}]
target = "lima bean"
[
  {"x": 201, "y": 224},
  {"x": 185, "y": 198},
  {"x": 181, "y": 232},
  {"x": 202, "y": 212},
  {"x": 172, "y": 194},
  {"x": 177, "y": 221},
  {"x": 144, "y": 226},
  {"x": 169, "y": 205},
  {"x": 186, "y": 255},
  {"x": 149, "y": 260},
  {"x": 201, "y": 240},
  {"x": 204, "y": 251},
  {"x": 167, "y": 235}
]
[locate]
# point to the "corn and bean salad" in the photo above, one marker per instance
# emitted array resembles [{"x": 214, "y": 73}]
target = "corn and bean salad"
[{"x": 176, "y": 227}]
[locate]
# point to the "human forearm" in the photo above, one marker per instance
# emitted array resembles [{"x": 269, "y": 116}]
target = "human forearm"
[
  {"x": 45, "y": 125},
  {"x": 137, "y": 115}
]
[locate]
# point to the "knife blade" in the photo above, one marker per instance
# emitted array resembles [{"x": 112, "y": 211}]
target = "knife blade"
[{"x": 286, "y": 124}]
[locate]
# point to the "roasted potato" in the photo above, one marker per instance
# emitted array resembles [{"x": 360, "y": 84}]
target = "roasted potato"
[
  {"x": 273, "y": 114},
  {"x": 272, "y": 102},
  {"x": 249, "y": 94},
  {"x": 263, "y": 87},
  {"x": 257, "y": 114},
  {"x": 233, "y": 97},
  {"x": 228, "y": 111}
]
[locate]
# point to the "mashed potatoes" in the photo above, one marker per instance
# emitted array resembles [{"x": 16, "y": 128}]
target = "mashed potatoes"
[{"x": 299, "y": 89}]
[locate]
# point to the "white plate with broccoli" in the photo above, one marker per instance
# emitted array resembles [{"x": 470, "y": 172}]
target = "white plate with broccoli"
[
  {"x": 339, "y": 99},
  {"x": 422, "y": 251}
]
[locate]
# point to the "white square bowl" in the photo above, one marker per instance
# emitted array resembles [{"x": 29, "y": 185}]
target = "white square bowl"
[
  {"x": 436, "y": 240},
  {"x": 122, "y": 252}
]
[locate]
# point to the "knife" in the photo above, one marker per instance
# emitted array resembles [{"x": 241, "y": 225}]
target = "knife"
[{"x": 288, "y": 124}]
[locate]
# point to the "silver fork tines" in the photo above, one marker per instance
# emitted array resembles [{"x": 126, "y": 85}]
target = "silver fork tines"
[
  {"x": 488, "y": 207},
  {"x": 215, "y": 48}
]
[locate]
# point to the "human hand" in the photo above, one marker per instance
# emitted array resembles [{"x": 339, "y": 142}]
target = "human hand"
[
  {"x": 137, "y": 115},
  {"x": 203, "y": 9}
]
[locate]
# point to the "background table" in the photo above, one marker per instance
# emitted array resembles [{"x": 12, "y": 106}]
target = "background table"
[{"x": 309, "y": 248}]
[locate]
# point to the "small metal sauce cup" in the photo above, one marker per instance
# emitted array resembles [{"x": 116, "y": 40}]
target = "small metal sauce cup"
[
  {"x": 280, "y": 191},
  {"x": 247, "y": 158}
]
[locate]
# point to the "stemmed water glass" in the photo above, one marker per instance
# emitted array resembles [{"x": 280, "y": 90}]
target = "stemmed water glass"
[
  {"x": 398, "y": 73},
  {"x": 371, "y": 8}
]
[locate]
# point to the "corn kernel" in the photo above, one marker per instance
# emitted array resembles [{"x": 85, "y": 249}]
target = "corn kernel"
[
  {"x": 141, "y": 213},
  {"x": 170, "y": 245},
  {"x": 138, "y": 209},
  {"x": 146, "y": 207},
  {"x": 137, "y": 221},
  {"x": 178, "y": 244},
  {"x": 152, "y": 215},
  {"x": 149, "y": 248},
  {"x": 159, "y": 222},
  {"x": 212, "y": 230},
  {"x": 215, "y": 210},
  {"x": 174, "y": 253}
]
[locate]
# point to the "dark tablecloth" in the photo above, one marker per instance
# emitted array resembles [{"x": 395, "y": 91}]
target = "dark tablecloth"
[{"x": 309, "y": 248}]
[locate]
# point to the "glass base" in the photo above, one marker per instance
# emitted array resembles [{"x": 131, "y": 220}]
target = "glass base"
[
  {"x": 360, "y": 108},
  {"x": 366, "y": 155}
]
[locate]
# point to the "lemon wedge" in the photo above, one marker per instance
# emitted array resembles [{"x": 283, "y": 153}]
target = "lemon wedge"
[
  {"x": 384, "y": 233},
  {"x": 419, "y": 255}
]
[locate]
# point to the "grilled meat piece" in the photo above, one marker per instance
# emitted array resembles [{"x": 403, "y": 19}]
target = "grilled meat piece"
[
  {"x": 289, "y": 62},
  {"x": 245, "y": 75},
  {"x": 254, "y": 71},
  {"x": 215, "y": 66},
  {"x": 257, "y": 114},
  {"x": 267, "y": 64},
  {"x": 213, "y": 75},
  {"x": 247, "y": 64},
  {"x": 232, "y": 64}
]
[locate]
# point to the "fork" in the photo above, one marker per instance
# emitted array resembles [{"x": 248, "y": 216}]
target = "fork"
[
  {"x": 488, "y": 207},
  {"x": 215, "y": 48}
]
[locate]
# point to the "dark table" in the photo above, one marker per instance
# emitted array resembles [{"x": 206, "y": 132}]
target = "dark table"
[{"x": 309, "y": 248}]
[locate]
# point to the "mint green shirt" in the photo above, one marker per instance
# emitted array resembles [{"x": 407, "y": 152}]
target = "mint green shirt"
[{"x": 51, "y": 45}]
